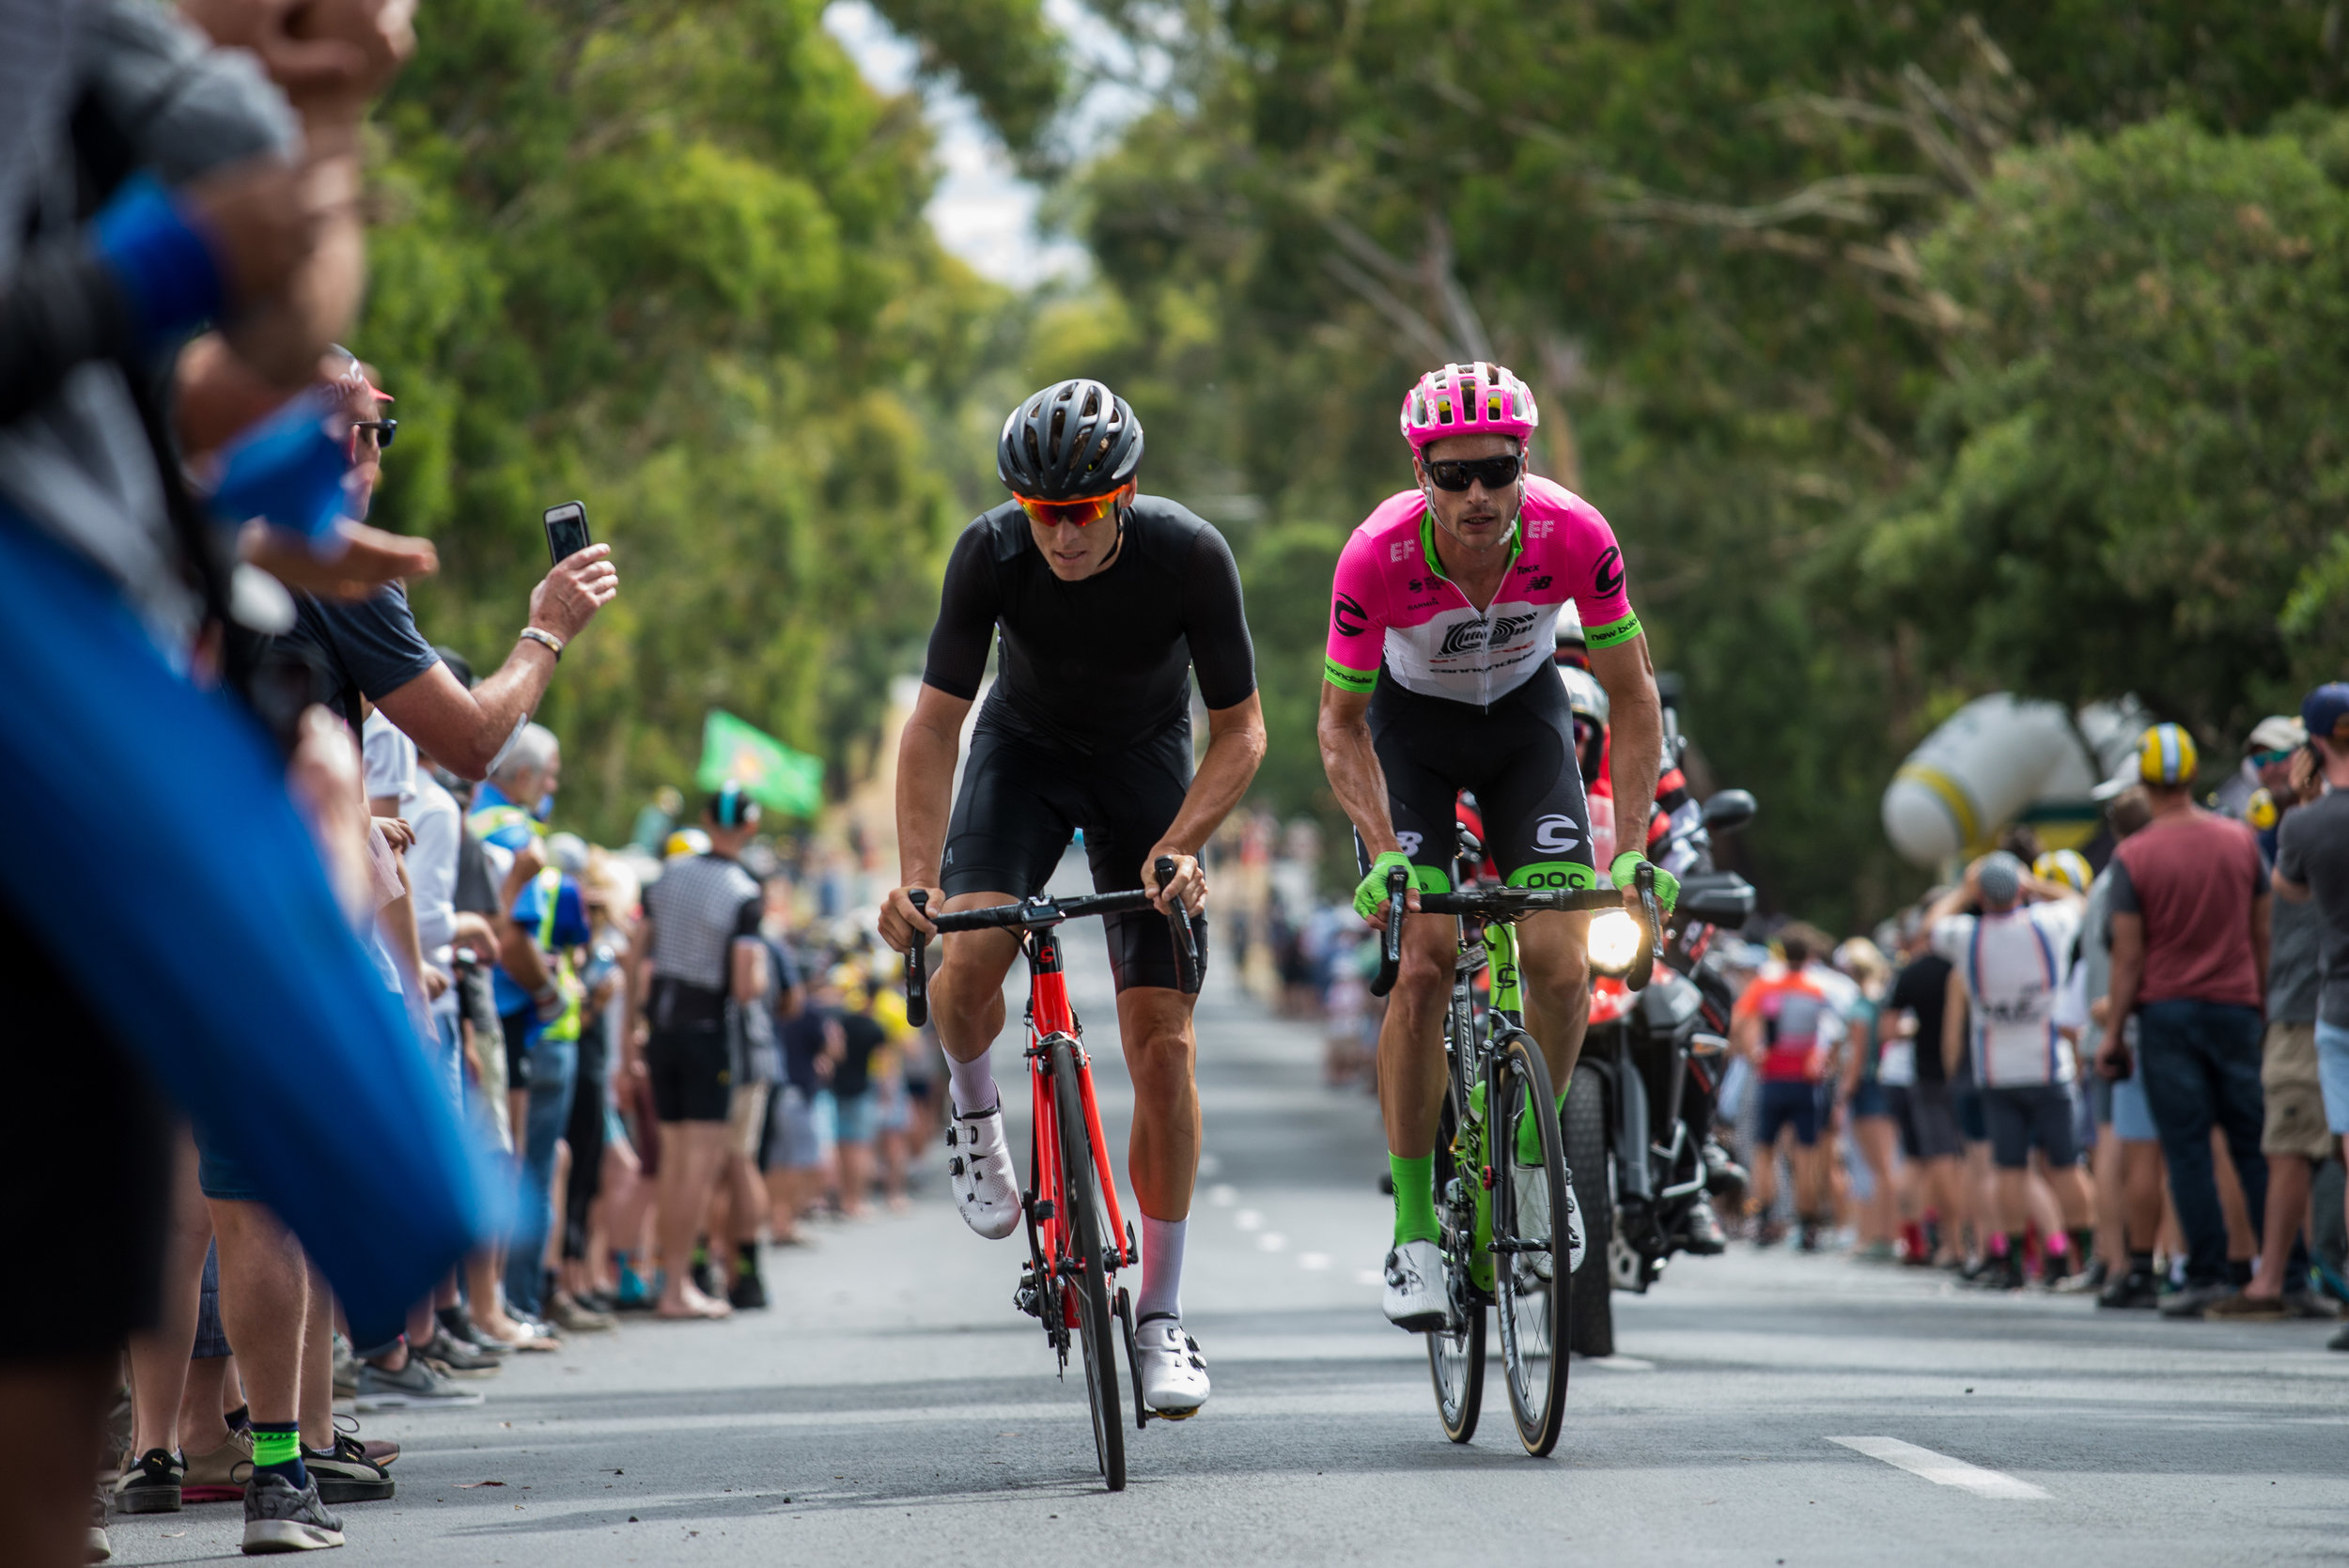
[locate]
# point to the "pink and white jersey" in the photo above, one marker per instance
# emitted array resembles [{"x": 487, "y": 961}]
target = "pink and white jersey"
[{"x": 1391, "y": 602}]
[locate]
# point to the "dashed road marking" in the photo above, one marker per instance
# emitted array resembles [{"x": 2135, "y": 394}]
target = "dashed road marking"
[{"x": 1940, "y": 1468}]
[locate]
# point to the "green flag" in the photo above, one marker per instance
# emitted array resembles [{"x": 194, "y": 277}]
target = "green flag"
[{"x": 768, "y": 771}]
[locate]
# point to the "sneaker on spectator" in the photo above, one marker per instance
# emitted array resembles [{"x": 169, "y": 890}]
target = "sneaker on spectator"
[
  {"x": 278, "y": 1518},
  {"x": 100, "y": 1548},
  {"x": 344, "y": 1473},
  {"x": 2312, "y": 1305},
  {"x": 2081, "y": 1282},
  {"x": 219, "y": 1475},
  {"x": 2243, "y": 1307},
  {"x": 2195, "y": 1301},
  {"x": 378, "y": 1451},
  {"x": 458, "y": 1323},
  {"x": 2133, "y": 1289},
  {"x": 573, "y": 1318},
  {"x": 151, "y": 1485},
  {"x": 346, "y": 1368},
  {"x": 454, "y": 1358},
  {"x": 2339, "y": 1340},
  {"x": 412, "y": 1386}
]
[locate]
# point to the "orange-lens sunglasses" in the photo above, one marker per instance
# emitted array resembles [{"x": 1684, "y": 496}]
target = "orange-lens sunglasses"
[{"x": 1083, "y": 513}]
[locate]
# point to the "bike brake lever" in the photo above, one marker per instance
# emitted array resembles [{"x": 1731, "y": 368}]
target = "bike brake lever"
[
  {"x": 1390, "y": 945},
  {"x": 1652, "y": 926},
  {"x": 917, "y": 976},
  {"x": 1178, "y": 925}
]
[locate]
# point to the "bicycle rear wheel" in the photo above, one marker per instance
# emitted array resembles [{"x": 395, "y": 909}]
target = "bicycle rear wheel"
[
  {"x": 1086, "y": 1226},
  {"x": 1592, "y": 1325},
  {"x": 1533, "y": 1272},
  {"x": 1455, "y": 1353}
]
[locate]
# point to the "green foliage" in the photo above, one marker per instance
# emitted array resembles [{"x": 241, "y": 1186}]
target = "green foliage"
[
  {"x": 2137, "y": 460},
  {"x": 670, "y": 260},
  {"x": 1003, "y": 52},
  {"x": 1696, "y": 229}
]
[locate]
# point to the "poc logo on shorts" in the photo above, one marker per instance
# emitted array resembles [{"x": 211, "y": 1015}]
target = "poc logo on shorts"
[{"x": 1557, "y": 834}]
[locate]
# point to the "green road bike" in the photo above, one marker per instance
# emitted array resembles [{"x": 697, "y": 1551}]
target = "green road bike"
[{"x": 1501, "y": 1161}]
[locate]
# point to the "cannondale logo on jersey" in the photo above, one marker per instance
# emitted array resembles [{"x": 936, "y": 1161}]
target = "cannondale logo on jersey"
[{"x": 1476, "y": 636}]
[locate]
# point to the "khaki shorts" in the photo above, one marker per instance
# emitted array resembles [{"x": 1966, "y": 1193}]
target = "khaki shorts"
[
  {"x": 2295, "y": 1103},
  {"x": 746, "y": 1119}
]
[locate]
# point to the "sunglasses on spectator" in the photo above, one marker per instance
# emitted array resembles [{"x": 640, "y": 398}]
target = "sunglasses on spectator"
[
  {"x": 1457, "y": 474},
  {"x": 2269, "y": 759},
  {"x": 384, "y": 430},
  {"x": 1083, "y": 513}
]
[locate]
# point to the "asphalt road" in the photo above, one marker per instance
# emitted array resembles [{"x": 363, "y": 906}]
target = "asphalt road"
[{"x": 1766, "y": 1410}]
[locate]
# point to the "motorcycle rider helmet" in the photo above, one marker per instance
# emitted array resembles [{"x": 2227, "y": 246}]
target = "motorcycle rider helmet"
[
  {"x": 1573, "y": 651},
  {"x": 1073, "y": 439}
]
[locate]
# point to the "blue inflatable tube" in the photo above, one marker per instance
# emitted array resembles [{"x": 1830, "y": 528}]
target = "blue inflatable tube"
[{"x": 145, "y": 835}]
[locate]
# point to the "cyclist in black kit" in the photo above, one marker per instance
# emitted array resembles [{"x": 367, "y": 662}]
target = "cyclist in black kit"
[{"x": 1104, "y": 601}]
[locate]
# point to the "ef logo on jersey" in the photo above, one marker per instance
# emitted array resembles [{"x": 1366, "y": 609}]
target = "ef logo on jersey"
[
  {"x": 1555, "y": 835},
  {"x": 1347, "y": 606}
]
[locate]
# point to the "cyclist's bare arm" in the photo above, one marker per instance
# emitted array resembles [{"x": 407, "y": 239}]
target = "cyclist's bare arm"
[
  {"x": 1636, "y": 749},
  {"x": 1235, "y": 745},
  {"x": 926, "y": 753},
  {"x": 1351, "y": 762}
]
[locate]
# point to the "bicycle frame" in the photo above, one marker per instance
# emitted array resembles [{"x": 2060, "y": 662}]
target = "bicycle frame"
[{"x": 1049, "y": 1016}]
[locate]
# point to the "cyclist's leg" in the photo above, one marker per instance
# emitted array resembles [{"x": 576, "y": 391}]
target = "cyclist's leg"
[
  {"x": 1537, "y": 824},
  {"x": 1006, "y": 834},
  {"x": 1129, "y": 802}
]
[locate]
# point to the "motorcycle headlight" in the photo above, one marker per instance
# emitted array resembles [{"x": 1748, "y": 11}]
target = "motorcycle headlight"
[{"x": 1614, "y": 942}]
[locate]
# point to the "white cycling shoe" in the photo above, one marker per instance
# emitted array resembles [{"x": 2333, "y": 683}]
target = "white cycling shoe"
[
  {"x": 1534, "y": 1220},
  {"x": 1414, "y": 1300},
  {"x": 1173, "y": 1375},
  {"x": 978, "y": 1163}
]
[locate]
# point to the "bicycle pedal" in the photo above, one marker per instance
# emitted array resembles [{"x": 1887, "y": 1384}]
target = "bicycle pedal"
[{"x": 1177, "y": 1415}]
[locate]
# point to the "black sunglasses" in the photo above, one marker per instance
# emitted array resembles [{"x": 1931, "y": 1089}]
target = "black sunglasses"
[
  {"x": 384, "y": 430},
  {"x": 1457, "y": 474}
]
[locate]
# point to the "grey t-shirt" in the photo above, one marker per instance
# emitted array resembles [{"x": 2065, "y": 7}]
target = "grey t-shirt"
[{"x": 2312, "y": 849}]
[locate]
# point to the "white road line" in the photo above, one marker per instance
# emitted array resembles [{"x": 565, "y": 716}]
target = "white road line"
[{"x": 1940, "y": 1468}]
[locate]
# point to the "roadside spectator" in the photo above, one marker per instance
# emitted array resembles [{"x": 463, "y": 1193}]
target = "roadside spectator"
[
  {"x": 1863, "y": 1096},
  {"x": 2011, "y": 958},
  {"x": 855, "y": 1098},
  {"x": 2128, "y": 1168},
  {"x": 700, "y": 950},
  {"x": 1786, "y": 1026},
  {"x": 2189, "y": 963},
  {"x": 2312, "y": 863},
  {"x": 546, "y": 927},
  {"x": 2294, "y": 1137},
  {"x": 1924, "y": 1107}
]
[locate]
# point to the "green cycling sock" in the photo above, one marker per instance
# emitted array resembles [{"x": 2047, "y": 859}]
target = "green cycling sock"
[
  {"x": 277, "y": 1451},
  {"x": 1530, "y": 1136},
  {"x": 1414, "y": 1198}
]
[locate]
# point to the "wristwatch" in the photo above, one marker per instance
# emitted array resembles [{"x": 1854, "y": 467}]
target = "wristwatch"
[{"x": 546, "y": 640}]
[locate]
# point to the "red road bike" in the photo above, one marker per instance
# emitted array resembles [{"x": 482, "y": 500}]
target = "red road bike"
[{"x": 1078, "y": 1237}]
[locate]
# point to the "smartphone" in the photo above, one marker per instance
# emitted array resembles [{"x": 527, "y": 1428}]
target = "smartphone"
[{"x": 567, "y": 530}]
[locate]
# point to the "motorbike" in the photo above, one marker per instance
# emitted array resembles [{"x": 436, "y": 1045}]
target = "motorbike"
[{"x": 1638, "y": 1118}]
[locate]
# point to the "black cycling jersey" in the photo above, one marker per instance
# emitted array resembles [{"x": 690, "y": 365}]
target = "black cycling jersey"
[{"x": 1095, "y": 665}]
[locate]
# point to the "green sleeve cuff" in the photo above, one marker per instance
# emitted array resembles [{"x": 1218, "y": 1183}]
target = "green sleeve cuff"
[
  {"x": 1344, "y": 679},
  {"x": 1613, "y": 631}
]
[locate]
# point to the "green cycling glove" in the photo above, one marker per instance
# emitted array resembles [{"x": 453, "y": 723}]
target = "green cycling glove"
[
  {"x": 1372, "y": 891},
  {"x": 1667, "y": 885}
]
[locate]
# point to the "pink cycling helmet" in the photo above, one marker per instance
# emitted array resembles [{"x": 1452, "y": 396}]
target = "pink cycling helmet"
[{"x": 1464, "y": 399}]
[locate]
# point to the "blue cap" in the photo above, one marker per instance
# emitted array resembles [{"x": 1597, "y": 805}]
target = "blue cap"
[{"x": 2325, "y": 711}]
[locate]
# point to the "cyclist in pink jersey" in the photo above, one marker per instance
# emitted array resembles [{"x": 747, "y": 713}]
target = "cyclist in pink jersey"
[{"x": 1439, "y": 678}]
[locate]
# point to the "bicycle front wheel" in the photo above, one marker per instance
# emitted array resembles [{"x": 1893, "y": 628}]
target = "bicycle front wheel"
[
  {"x": 1085, "y": 1277},
  {"x": 1456, "y": 1352},
  {"x": 1531, "y": 1255}
]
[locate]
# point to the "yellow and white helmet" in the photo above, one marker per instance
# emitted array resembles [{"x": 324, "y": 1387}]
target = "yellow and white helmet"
[
  {"x": 2165, "y": 755},
  {"x": 2068, "y": 866}
]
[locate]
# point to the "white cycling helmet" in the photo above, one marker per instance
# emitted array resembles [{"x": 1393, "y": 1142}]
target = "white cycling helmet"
[{"x": 1585, "y": 694}]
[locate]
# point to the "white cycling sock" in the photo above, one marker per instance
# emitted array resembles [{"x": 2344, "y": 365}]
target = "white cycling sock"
[
  {"x": 974, "y": 1084},
  {"x": 1161, "y": 1267}
]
